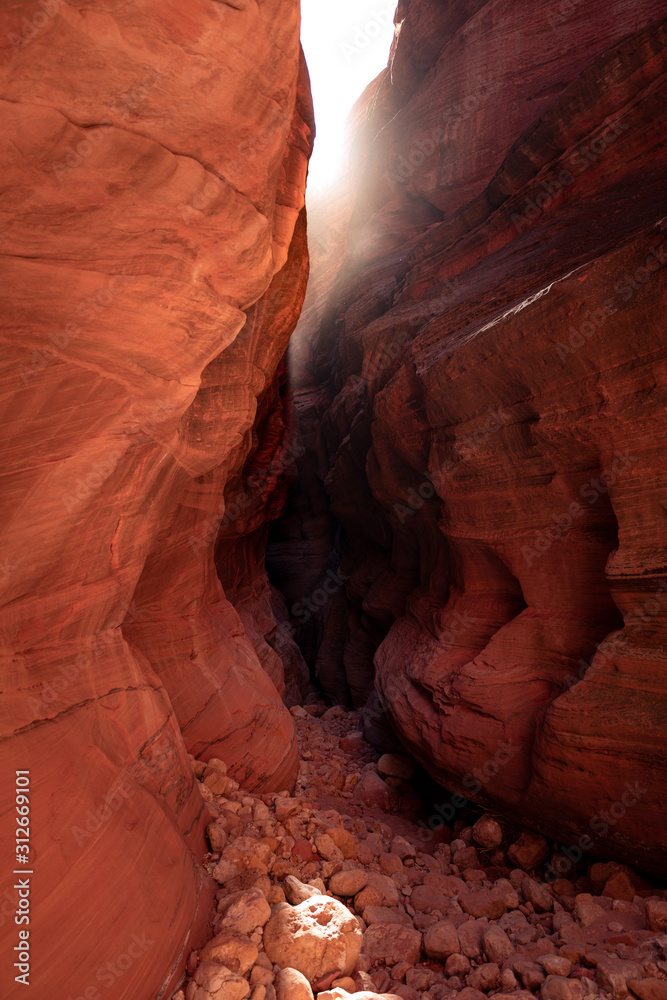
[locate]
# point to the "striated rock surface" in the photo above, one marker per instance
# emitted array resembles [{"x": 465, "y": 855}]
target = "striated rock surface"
[
  {"x": 486, "y": 369},
  {"x": 152, "y": 236}
]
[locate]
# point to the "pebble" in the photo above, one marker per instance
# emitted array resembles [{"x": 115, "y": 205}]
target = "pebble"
[
  {"x": 487, "y": 832},
  {"x": 560, "y": 988},
  {"x": 243, "y": 912},
  {"x": 348, "y": 883},
  {"x": 656, "y": 915},
  {"x": 392, "y": 942},
  {"x": 233, "y": 950},
  {"x": 221, "y": 982},
  {"x": 555, "y": 965},
  {"x": 483, "y": 903},
  {"x": 392, "y": 765},
  {"x": 292, "y": 985},
  {"x": 586, "y": 913},
  {"x": 496, "y": 944},
  {"x": 529, "y": 851},
  {"x": 296, "y": 892},
  {"x": 649, "y": 988},
  {"x": 485, "y": 977},
  {"x": 332, "y": 897},
  {"x": 536, "y": 895}
]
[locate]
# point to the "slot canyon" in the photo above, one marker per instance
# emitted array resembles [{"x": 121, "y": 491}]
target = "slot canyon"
[{"x": 333, "y": 579}]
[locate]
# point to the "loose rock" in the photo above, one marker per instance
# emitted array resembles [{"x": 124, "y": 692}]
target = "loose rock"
[
  {"x": 441, "y": 940},
  {"x": 496, "y": 944},
  {"x": 292, "y": 985},
  {"x": 560, "y": 988},
  {"x": 348, "y": 883},
  {"x": 487, "y": 832},
  {"x": 392, "y": 943},
  {"x": 392, "y": 765},
  {"x": 219, "y": 983},
  {"x": 656, "y": 915},
  {"x": 232, "y": 950},
  {"x": 507, "y": 938},
  {"x": 316, "y": 937},
  {"x": 529, "y": 851},
  {"x": 296, "y": 892}
]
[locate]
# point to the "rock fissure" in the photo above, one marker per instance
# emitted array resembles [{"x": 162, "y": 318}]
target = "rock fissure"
[{"x": 418, "y": 491}]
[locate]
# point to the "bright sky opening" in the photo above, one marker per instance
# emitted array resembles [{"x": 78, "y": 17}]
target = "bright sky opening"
[{"x": 346, "y": 46}]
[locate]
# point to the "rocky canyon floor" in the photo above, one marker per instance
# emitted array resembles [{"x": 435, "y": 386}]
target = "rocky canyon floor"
[{"x": 343, "y": 889}]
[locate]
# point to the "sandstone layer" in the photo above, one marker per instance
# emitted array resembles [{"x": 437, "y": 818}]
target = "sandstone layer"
[
  {"x": 483, "y": 356},
  {"x": 154, "y": 254}
]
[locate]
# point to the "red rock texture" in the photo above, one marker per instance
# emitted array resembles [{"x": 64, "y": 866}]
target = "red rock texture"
[
  {"x": 153, "y": 243},
  {"x": 487, "y": 366}
]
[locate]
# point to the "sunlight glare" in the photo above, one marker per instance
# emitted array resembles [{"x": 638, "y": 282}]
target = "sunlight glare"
[{"x": 346, "y": 47}]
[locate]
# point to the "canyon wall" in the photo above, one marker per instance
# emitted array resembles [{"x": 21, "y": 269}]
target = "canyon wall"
[
  {"x": 481, "y": 373},
  {"x": 152, "y": 235}
]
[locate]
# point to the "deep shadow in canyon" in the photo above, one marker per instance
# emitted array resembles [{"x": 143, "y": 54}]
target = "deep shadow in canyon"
[{"x": 478, "y": 378}]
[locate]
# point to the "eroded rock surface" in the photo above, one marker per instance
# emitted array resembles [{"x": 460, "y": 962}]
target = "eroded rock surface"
[
  {"x": 153, "y": 242},
  {"x": 482, "y": 392}
]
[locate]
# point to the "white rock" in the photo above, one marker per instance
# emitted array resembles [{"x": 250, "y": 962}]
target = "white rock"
[{"x": 316, "y": 937}]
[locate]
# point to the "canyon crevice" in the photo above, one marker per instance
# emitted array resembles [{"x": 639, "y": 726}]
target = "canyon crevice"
[
  {"x": 480, "y": 382},
  {"x": 462, "y": 449}
]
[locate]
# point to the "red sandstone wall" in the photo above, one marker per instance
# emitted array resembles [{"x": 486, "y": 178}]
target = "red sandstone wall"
[
  {"x": 153, "y": 170},
  {"x": 487, "y": 365}
]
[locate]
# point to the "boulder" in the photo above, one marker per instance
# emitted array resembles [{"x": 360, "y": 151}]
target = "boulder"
[
  {"x": 317, "y": 937},
  {"x": 393, "y": 943}
]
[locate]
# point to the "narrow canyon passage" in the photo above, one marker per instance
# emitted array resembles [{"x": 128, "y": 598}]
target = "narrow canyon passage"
[{"x": 333, "y": 580}]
